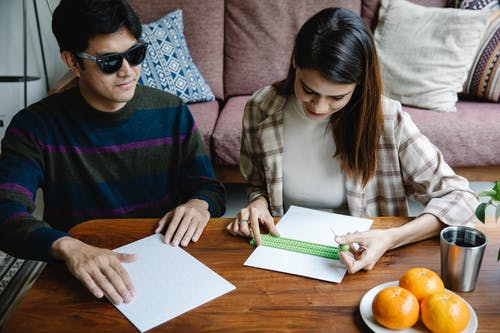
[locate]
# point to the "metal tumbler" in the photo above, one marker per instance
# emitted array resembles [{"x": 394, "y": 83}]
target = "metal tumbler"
[{"x": 462, "y": 250}]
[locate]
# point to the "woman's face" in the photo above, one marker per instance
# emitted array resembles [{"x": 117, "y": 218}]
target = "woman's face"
[{"x": 320, "y": 97}]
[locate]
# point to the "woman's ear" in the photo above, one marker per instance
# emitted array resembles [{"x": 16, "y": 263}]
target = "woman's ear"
[{"x": 71, "y": 61}]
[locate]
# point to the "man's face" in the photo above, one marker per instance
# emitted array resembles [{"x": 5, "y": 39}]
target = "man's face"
[{"x": 108, "y": 92}]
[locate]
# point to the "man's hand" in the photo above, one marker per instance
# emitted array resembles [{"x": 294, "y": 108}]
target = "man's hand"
[
  {"x": 185, "y": 223},
  {"x": 99, "y": 270}
]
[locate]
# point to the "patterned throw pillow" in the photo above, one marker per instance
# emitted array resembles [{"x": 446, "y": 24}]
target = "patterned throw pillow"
[
  {"x": 168, "y": 65},
  {"x": 483, "y": 81},
  {"x": 476, "y": 4}
]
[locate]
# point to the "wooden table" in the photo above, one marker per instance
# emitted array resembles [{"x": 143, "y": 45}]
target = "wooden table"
[{"x": 264, "y": 301}]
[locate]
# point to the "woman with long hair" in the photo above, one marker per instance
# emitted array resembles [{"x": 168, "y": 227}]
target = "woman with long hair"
[{"x": 326, "y": 138}]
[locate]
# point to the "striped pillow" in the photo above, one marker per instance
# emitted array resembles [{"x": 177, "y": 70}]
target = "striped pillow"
[{"x": 483, "y": 81}]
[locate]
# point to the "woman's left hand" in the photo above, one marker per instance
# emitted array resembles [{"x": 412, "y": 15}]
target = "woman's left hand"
[
  {"x": 374, "y": 243},
  {"x": 371, "y": 247}
]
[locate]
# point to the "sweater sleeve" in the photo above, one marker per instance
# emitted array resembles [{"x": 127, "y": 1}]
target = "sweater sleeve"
[
  {"x": 250, "y": 163},
  {"x": 21, "y": 174},
  {"x": 197, "y": 177}
]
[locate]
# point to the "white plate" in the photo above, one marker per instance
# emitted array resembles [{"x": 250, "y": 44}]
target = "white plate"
[{"x": 365, "y": 308}]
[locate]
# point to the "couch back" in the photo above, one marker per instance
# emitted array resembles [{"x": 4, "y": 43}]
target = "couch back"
[
  {"x": 258, "y": 47},
  {"x": 241, "y": 46}
]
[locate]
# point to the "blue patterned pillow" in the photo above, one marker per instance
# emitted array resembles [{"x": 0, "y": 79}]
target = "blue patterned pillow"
[{"x": 168, "y": 65}]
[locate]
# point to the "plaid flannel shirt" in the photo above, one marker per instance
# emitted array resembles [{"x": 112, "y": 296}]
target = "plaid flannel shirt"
[{"x": 408, "y": 165}]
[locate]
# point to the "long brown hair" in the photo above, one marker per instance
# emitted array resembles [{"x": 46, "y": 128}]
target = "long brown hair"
[{"x": 339, "y": 45}]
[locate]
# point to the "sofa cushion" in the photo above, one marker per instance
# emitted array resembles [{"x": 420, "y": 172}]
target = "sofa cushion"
[
  {"x": 168, "y": 64},
  {"x": 205, "y": 116},
  {"x": 259, "y": 39},
  {"x": 369, "y": 10},
  {"x": 462, "y": 136},
  {"x": 227, "y": 133},
  {"x": 425, "y": 53},
  {"x": 204, "y": 31},
  {"x": 467, "y": 137}
]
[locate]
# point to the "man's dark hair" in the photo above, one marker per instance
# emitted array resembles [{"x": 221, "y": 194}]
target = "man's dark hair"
[{"x": 75, "y": 22}]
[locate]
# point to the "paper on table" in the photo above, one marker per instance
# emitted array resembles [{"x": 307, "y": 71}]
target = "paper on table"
[
  {"x": 312, "y": 226},
  {"x": 168, "y": 282}
]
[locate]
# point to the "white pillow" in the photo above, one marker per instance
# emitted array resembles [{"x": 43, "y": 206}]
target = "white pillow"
[{"x": 425, "y": 53}]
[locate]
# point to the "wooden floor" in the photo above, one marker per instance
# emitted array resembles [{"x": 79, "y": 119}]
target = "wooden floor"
[{"x": 231, "y": 174}]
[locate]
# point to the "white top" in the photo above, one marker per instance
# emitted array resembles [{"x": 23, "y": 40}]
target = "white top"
[{"x": 311, "y": 176}]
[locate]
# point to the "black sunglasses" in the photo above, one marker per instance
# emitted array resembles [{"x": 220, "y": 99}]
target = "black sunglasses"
[{"x": 112, "y": 62}]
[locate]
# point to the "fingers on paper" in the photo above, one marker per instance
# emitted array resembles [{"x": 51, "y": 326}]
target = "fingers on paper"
[
  {"x": 188, "y": 234},
  {"x": 99, "y": 284},
  {"x": 123, "y": 273},
  {"x": 125, "y": 257},
  {"x": 185, "y": 224},
  {"x": 117, "y": 288},
  {"x": 180, "y": 230},
  {"x": 89, "y": 283},
  {"x": 162, "y": 222},
  {"x": 172, "y": 227},
  {"x": 271, "y": 226}
]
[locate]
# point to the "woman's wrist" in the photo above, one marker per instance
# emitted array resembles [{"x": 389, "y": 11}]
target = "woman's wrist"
[
  {"x": 395, "y": 237},
  {"x": 423, "y": 227},
  {"x": 259, "y": 202}
]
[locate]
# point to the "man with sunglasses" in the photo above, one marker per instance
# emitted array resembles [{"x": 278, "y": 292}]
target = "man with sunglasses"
[{"x": 107, "y": 148}]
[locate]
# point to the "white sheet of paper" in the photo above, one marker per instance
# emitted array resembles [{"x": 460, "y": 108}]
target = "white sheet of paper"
[
  {"x": 168, "y": 282},
  {"x": 311, "y": 226}
]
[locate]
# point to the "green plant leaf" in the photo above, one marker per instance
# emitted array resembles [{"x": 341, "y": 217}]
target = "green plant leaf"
[
  {"x": 496, "y": 188},
  {"x": 481, "y": 211},
  {"x": 498, "y": 257},
  {"x": 487, "y": 193}
]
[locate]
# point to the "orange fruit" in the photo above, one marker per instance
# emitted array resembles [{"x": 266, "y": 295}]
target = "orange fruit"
[
  {"x": 395, "y": 308},
  {"x": 444, "y": 312},
  {"x": 421, "y": 282}
]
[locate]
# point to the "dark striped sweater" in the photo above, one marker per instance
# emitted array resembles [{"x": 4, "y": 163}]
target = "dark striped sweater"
[{"x": 140, "y": 161}]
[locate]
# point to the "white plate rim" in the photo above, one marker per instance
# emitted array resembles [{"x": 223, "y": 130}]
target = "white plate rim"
[{"x": 365, "y": 308}]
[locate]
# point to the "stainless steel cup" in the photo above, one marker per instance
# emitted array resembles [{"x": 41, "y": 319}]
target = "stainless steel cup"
[{"x": 462, "y": 250}]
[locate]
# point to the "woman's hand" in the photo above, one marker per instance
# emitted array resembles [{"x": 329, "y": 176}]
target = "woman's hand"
[
  {"x": 371, "y": 246},
  {"x": 248, "y": 220}
]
